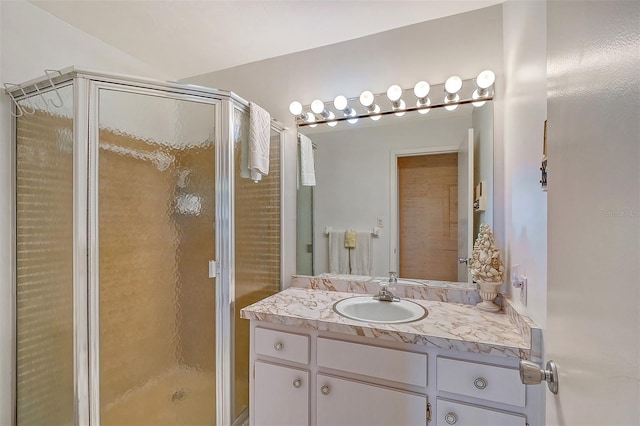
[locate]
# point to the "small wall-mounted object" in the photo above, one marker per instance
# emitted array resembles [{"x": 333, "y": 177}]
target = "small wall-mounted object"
[
  {"x": 519, "y": 280},
  {"x": 480, "y": 197},
  {"x": 543, "y": 166},
  {"x": 375, "y": 231}
]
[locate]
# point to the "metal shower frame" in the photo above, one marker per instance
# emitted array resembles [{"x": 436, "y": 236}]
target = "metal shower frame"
[{"x": 86, "y": 85}]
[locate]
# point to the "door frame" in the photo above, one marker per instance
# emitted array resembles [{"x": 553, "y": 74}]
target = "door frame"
[{"x": 394, "y": 224}]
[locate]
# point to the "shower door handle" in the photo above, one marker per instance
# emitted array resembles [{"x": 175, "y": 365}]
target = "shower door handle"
[{"x": 213, "y": 269}]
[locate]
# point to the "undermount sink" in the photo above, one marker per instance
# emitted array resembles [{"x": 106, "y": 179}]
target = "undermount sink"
[{"x": 368, "y": 309}]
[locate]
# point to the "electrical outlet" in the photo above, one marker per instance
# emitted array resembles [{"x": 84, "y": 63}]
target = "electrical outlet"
[
  {"x": 519, "y": 280},
  {"x": 380, "y": 222}
]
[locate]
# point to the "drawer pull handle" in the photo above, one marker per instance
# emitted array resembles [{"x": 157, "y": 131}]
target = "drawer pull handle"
[
  {"x": 325, "y": 390},
  {"x": 451, "y": 418},
  {"x": 278, "y": 346},
  {"x": 297, "y": 383},
  {"x": 480, "y": 383}
]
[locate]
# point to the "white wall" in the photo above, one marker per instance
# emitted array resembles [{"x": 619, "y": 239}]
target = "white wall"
[
  {"x": 30, "y": 41},
  {"x": 525, "y": 204},
  {"x": 463, "y": 44},
  {"x": 353, "y": 176}
]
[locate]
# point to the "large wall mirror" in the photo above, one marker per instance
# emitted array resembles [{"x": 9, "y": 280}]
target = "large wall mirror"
[{"x": 410, "y": 181}]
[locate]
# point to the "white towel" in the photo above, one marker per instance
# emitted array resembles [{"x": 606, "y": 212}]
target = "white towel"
[
  {"x": 338, "y": 255},
  {"x": 259, "y": 140},
  {"x": 241, "y": 133},
  {"x": 307, "y": 167},
  {"x": 361, "y": 255}
]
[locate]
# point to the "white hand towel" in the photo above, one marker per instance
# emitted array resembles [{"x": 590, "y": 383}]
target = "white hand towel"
[
  {"x": 259, "y": 139},
  {"x": 338, "y": 254},
  {"x": 241, "y": 134},
  {"x": 307, "y": 166},
  {"x": 361, "y": 255}
]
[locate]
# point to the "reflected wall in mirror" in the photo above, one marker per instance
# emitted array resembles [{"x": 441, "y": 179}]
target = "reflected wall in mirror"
[{"x": 407, "y": 177}]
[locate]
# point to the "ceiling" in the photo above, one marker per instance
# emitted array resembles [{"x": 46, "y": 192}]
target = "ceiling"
[{"x": 185, "y": 38}]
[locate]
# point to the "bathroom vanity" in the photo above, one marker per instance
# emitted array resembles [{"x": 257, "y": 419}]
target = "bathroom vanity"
[{"x": 457, "y": 366}]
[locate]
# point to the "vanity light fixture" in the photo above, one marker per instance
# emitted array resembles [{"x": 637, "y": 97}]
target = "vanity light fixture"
[
  {"x": 451, "y": 87},
  {"x": 367, "y": 99},
  {"x": 394, "y": 93},
  {"x": 484, "y": 82},
  {"x": 341, "y": 104},
  {"x": 376, "y": 105},
  {"x": 317, "y": 106},
  {"x": 421, "y": 90}
]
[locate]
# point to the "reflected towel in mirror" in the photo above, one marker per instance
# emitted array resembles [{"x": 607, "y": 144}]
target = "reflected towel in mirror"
[
  {"x": 307, "y": 166},
  {"x": 361, "y": 255},
  {"x": 338, "y": 254}
]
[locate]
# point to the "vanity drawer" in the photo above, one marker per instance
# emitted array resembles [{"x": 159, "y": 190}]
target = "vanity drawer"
[
  {"x": 279, "y": 344},
  {"x": 488, "y": 382},
  {"x": 389, "y": 364},
  {"x": 458, "y": 414}
]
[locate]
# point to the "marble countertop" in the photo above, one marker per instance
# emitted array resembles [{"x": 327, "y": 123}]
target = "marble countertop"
[{"x": 455, "y": 326}]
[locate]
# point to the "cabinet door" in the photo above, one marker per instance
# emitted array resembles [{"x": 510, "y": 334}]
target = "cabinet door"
[
  {"x": 281, "y": 395},
  {"x": 458, "y": 414},
  {"x": 343, "y": 402}
]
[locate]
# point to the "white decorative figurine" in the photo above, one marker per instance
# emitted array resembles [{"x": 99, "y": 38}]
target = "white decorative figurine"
[{"x": 486, "y": 268}]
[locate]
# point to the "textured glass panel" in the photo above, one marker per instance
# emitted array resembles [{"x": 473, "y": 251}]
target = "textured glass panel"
[
  {"x": 257, "y": 256},
  {"x": 44, "y": 276},
  {"x": 156, "y": 236}
]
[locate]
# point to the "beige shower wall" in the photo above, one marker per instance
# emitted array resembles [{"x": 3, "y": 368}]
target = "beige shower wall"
[
  {"x": 257, "y": 233},
  {"x": 138, "y": 297},
  {"x": 44, "y": 279}
]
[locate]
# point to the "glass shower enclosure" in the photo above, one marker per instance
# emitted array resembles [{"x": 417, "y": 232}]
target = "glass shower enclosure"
[{"x": 136, "y": 245}]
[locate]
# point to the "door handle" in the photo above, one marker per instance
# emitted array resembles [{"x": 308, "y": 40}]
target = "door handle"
[{"x": 532, "y": 374}]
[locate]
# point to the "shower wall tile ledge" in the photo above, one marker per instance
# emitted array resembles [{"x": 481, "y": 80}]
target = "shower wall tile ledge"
[{"x": 455, "y": 326}]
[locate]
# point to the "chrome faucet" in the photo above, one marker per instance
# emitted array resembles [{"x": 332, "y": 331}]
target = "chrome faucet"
[{"x": 385, "y": 295}]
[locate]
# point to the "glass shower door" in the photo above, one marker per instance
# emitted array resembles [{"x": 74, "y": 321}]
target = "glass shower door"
[{"x": 156, "y": 222}]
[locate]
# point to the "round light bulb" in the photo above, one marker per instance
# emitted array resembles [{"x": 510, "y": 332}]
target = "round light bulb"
[
  {"x": 394, "y": 93},
  {"x": 485, "y": 79},
  {"x": 353, "y": 113},
  {"x": 366, "y": 98},
  {"x": 340, "y": 102},
  {"x": 331, "y": 117},
  {"x": 476, "y": 95},
  {"x": 295, "y": 108},
  {"x": 376, "y": 110},
  {"x": 310, "y": 118},
  {"x": 420, "y": 105},
  {"x": 401, "y": 105},
  {"x": 453, "y": 85},
  {"x": 421, "y": 89},
  {"x": 453, "y": 101},
  {"x": 317, "y": 106}
]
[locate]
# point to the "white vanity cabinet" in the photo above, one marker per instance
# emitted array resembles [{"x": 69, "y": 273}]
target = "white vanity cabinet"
[
  {"x": 494, "y": 385},
  {"x": 281, "y": 383},
  {"x": 342, "y": 402},
  {"x": 282, "y": 395},
  {"x": 308, "y": 377}
]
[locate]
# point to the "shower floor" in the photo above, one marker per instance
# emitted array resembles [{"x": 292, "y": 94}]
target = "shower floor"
[{"x": 178, "y": 397}]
